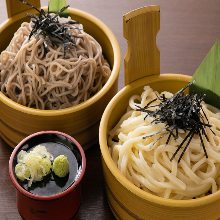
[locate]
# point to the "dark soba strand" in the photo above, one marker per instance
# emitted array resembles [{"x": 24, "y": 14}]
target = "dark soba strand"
[
  {"x": 48, "y": 26},
  {"x": 180, "y": 112}
]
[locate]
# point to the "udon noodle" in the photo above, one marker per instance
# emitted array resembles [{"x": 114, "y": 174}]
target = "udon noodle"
[
  {"x": 51, "y": 78},
  {"x": 146, "y": 161}
]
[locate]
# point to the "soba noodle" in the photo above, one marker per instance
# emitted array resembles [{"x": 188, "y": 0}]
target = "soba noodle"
[
  {"x": 146, "y": 161},
  {"x": 49, "y": 78}
]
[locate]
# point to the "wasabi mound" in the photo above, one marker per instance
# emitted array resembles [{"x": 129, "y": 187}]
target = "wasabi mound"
[{"x": 61, "y": 166}]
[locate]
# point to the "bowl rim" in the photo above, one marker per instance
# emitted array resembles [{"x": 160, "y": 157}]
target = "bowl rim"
[
  {"x": 57, "y": 195},
  {"x": 113, "y": 77},
  {"x": 147, "y": 196}
]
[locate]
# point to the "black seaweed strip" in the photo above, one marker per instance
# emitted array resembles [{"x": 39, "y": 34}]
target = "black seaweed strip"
[{"x": 187, "y": 145}]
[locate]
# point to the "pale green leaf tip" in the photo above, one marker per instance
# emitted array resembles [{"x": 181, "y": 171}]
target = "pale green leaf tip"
[
  {"x": 56, "y": 5},
  {"x": 207, "y": 76}
]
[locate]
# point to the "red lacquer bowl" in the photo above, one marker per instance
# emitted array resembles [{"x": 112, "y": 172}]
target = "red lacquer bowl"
[{"x": 63, "y": 205}]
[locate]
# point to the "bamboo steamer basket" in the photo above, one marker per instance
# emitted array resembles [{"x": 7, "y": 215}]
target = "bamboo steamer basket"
[
  {"x": 81, "y": 121},
  {"x": 142, "y": 68}
]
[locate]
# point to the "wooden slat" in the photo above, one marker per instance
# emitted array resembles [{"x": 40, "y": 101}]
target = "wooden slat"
[
  {"x": 15, "y": 6},
  {"x": 140, "y": 29}
]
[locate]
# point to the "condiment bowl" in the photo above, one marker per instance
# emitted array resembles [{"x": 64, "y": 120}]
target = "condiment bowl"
[
  {"x": 62, "y": 205},
  {"x": 142, "y": 68},
  {"x": 80, "y": 121}
]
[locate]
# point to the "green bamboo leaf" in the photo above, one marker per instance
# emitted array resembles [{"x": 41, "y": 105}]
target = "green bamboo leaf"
[
  {"x": 56, "y": 5},
  {"x": 207, "y": 77}
]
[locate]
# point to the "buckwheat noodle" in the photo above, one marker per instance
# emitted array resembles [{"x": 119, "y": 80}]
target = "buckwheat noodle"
[
  {"x": 41, "y": 79},
  {"x": 146, "y": 161}
]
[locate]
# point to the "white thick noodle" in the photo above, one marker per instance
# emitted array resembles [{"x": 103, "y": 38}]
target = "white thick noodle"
[
  {"x": 41, "y": 79},
  {"x": 146, "y": 161}
]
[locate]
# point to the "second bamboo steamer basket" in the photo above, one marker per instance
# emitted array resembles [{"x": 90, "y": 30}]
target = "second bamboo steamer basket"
[
  {"x": 142, "y": 67},
  {"x": 80, "y": 121}
]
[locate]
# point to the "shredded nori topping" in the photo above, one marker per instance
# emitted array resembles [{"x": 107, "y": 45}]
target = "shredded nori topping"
[
  {"x": 48, "y": 26},
  {"x": 181, "y": 111}
]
